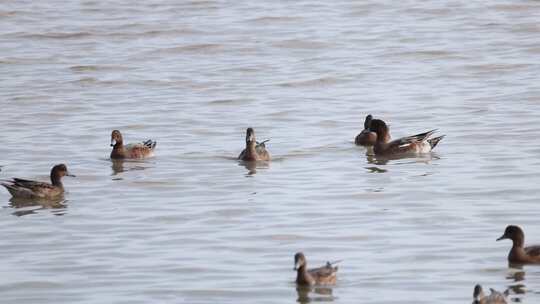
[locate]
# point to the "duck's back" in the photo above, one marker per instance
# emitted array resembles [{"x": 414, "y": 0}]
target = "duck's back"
[
  {"x": 324, "y": 275},
  {"x": 140, "y": 150},
  {"x": 25, "y": 188},
  {"x": 494, "y": 298},
  {"x": 533, "y": 252}
]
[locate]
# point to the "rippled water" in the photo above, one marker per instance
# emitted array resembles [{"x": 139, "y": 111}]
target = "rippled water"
[{"x": 193, "y": 225}]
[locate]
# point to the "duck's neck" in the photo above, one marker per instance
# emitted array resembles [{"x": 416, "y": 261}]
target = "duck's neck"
[
  {"x": 251, "y": 150},
  {"x": 56, "y": 179},
  {"x": 119, "y": 144},
  {"x": 383, "y": 137},
  {"x": 118, "y": 150},
  {"x": 302, "y": 275},
  {"x": 518, "y": 242}
]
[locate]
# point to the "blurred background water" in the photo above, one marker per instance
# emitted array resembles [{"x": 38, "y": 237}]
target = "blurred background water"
[{"x": 193, "y": 225}]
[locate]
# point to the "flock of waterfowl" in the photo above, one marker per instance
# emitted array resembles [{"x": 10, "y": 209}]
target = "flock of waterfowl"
[{"x": 375, "y": 136}]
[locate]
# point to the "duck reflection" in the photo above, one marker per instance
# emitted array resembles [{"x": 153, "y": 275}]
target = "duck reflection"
[
  {"x": 120, "y": 165},
  {"x": 26, "y": 206},
  {"x": 252, "y": 166},
  {"x": 384, "y": 160},
  {"x": 117, "y": 166},
  {"x": 380, "y": 161},
  {"x": 308, "y": 294},
  {"x": 517, "y": 274}
]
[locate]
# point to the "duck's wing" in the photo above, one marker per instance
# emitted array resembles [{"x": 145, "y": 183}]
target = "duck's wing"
[
  {"x": 261, "y": 150},
  {"x": 533, "y": 250},
  {"x": 25, "y": 188},
  {"x": 409, "y": 143},
  {"x": 31, "y": 184},
  {"x": 141, "y": 150},
  {"x": 151, "y": 144},
  {"x": 322, "y": 272},
  {"x": 413, "y": 138},
  {"x": 17, "y": 191},
  {"x": 262, "y": 144}
]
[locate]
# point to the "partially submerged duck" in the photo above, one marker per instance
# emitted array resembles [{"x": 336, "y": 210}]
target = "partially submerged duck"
[
  {"x": 130, "y": 151},
  {"x": 254, "y": 151},
  {"x": 415, "y": 144},
  {"x": 325, "y": 275},
  {"x": 494, "y": 298},
  {"x": 519, "y": 254},
  {"x": 367, "y": 137},
  {"x": 29, "y": 189}
]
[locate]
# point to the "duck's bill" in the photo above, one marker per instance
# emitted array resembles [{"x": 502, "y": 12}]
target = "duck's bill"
[
  {"x": 501, "y": 238},
  {"x": 113, "y": 142},
  {"x": 296, "y": 266},
  {"x": 71, "y": 175}
]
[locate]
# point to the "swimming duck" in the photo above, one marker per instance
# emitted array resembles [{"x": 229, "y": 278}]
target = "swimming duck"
[
  {"x": 23, "y": 188},
  {"x": 254, "y": 150},
  {"x": 325, "y": 275},
  {"x": 133, "y": 151},
  {"x": 415, "y": 144},
  {"x": 367, "y": 137},
  {"x": 494, "y": 298},
  {"x": 520, "y": 254}
]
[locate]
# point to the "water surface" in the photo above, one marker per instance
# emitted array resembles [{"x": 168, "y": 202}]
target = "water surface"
[{"x": 192, "y": 225}]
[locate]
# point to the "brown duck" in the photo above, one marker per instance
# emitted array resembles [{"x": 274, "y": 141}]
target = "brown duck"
[
  {"x": 520, "y": 254},
  {"x": 254, "y": 151},
  {"x": 494, "y": 298},
  {"x": 23, "y": 188},
  {"x": 367, "y": 137},
  {"x": 415, "y": 144},
  {"x": 130, "y": 151},
  {"x": 325, "y": 275}
]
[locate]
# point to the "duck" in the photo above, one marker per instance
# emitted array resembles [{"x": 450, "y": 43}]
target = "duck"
[
  {"x": 367, "y": 138},
  {"x": 29, "y": 189},
  {"x": 131, "y": 151},
  {"x": 520, "y": 254},
  {"x": 494, "y": 298},
  {"x": 325, "y": 275},
  {"x": 254, "y": 151},
  {"x": 415, "y": 144}
]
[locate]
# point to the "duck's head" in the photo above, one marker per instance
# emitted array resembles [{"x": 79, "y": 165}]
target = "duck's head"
[
  {"x": 299, "y": 260},
  {"x": 514, "y": 233},
  {"x": 378, "y": 126},
  {"x": 116, "y": 137},
  {"x": 250, "y": 136},
  {"x": 367, "y": 122},
  {"x": 60, "y": 171},
  {"x": 478, "y": 294}
]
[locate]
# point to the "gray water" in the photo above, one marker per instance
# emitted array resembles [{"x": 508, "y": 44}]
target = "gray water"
[{"x": 192, "y": 225}]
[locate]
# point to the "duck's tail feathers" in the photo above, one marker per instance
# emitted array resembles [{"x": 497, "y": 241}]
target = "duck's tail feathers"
[
  {"x": 330, "y": 264},
  {"x": 150, "y": 144},
  {"x": 422, "y": 136},
  {"x": 434, "y": 141},
  {"x": 11, "y": 188},
  {"x": 415, "y": 138},
  {"x": 263, "y": 143}
]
